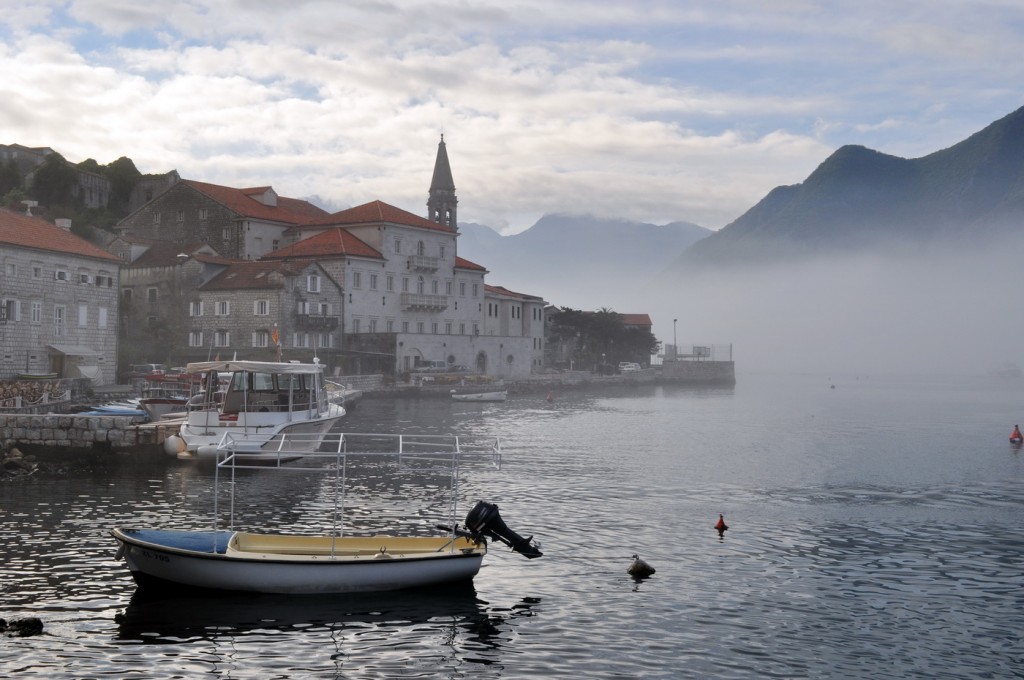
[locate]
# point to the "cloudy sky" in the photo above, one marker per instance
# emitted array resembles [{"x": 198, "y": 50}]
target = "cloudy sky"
[{"x": 654, "y": 111}]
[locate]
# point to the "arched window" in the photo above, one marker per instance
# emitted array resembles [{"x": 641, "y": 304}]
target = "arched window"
[{"x": 420, "y": 285}]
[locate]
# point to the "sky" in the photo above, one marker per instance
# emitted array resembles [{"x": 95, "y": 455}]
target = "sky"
[{"x": 651, "y": 111}]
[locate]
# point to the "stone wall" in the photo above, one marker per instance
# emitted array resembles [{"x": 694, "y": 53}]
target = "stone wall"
[{"x": 79, "y": 432}]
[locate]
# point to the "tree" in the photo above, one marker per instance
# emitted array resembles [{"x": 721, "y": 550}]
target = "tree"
[{"x": 53, "y": 181}]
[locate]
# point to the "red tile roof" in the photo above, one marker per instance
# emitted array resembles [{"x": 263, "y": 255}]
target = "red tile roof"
[
  {"x": 33, "y": 232},
  {"x": 636, "y": 319},
  {"x": 164, "y": 254},
  {"x": 463, "y": 263},
  {"x": 376, "y": 212},
  {"x": 500, "y": 290},
  {"x": 254, "y": 275},
  {"x": 241, "y": 201},
  {"x": 331, "y": 243}
]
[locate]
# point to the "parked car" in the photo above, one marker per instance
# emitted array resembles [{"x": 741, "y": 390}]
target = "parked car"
[
  {"x": 628, "y": 367},
  {"x": 140, "y": 371}
]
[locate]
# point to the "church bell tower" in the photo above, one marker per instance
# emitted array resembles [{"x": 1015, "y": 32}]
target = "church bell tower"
[{"x": 441, "y": 205}]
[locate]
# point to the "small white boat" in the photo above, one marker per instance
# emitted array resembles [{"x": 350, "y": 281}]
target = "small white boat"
[
  {"x": 481, "y": 396},
  {"x": 290, "y": 563},
  {"x": 261, "y": 402}
]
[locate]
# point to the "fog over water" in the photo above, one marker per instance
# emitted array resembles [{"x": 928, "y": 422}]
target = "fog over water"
[{"x": 942, "y": 311}]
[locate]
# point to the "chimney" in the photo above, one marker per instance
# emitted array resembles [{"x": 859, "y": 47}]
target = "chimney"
[{"x": 63, "y": 222}]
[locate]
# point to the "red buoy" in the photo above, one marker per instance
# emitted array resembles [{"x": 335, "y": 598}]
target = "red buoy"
[
  {"x": 721, "y": 526},
  {"x": 1015, "y": 436}
]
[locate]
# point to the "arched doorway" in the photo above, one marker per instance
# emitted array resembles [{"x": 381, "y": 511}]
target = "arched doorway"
[{"x": 481, "y": 362}]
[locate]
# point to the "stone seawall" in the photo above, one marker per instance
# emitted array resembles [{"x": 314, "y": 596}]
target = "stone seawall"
[{"x": 103, "y": 433}]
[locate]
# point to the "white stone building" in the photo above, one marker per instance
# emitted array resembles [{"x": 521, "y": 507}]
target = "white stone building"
[{"x": 58, "y": 302}]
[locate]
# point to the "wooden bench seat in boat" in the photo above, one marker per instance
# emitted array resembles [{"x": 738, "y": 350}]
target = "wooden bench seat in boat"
[{"x": 356, "y": 546}]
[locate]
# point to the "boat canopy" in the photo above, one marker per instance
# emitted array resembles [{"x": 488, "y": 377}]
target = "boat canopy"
[{"x": 254, "y": 366}]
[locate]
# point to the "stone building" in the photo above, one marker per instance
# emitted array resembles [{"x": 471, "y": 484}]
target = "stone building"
[
  {"x": 270, "y": 310},
  {"x": 58, "y": 302},
  {"x": 242, "y": 224}
]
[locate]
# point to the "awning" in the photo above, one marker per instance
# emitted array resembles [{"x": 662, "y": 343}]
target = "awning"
[
  {"x": 90, "y": 372},
  {"x": 75, "y": 350}
]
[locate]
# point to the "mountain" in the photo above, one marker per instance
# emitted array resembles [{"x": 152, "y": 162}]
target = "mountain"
[
  {"x": 579, "y": 261},
  {"x": 860, "y": 200}
]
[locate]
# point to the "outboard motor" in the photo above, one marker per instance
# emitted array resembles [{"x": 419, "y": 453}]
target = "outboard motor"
[{"x": 485, "y": 520}]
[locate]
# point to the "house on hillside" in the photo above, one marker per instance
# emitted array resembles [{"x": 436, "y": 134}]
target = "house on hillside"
[
  {"x": 58, "y": 302},
  {"x": 242, "y": 224},
  {"x": 91, "y": 189}
]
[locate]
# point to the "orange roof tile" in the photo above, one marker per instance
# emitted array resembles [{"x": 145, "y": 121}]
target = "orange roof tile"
[
  {"x": 501, "y": 290},
  {"x": 164, "y": 254},
  {"x": 330, "y": 243},
  {"x": 241, "y": 201},
  {"x": 376, "y": 212},
  {"x": 463, "y": 263},
  {"x": 636, "y": 319},
  {"x": 32, "y": 232}
]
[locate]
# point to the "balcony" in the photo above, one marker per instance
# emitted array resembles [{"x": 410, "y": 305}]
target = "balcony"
[
  {"x": 424, "y": 302},
  {"x": 423, "y": 263},
  {"x": 309, "y": 322}
]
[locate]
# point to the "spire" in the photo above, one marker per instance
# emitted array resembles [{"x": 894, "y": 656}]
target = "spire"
[{"x": 442, "y": 202}]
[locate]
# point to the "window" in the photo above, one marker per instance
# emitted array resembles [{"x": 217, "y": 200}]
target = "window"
[
  {"x": 324, "y": 308},
  {"x": 101, "y": 317},
  {"x": 156, "y": 218},
  {"x": 398, "y": 247},
  {"x": 313, "y": 283},
  {"x": 373, "y": 325},
  {"x": 37, "y": 272},
  {"x": 391, "y": 325},
  {"x": 300, "y": 340},
  {"x": 419, "y": 326},
  {"x": 180, "y": 217},
  {"x": 433, "y": 286},
  {"x": 151, "y": 294},
  {"x": 302, "y": 308},
  {"x": 59, "y": 321},
  {"x": 225, "y": 234},
  {"x": 261, "y": 308},
  {"x": 325, "y": 340},
  {"x": 261, "y": 339},
  {"x": 476, "y": 329},
  {"x": 204, "y": 213},
  {"x": 126, "y": 294},
  {"x": 433, "y": 328},
  {"x": 195, "y": 339},
  {"x": 405, "y": 326},
  {"x": 357, "y": 280},
  {"x": 84, "y": 278},
  {"x": 421, "y": 249},
  {"x": 37, "y": 312},
  {"x": 475, "y": 289},
  {"x": 195, "y": 308},
  {"x": 462, "y": 329},
  {"x": 357, "y": 325},
  {"x": 390, "y": 283},
  {"x": 60, "y": 275},
  {"x": 11, "y": 269},
  {"x": 83, "y": 315},
  {"x": 223, "y": 308},
  {"x": 442, "y": 252},
  {"x": 420, "y": 285},
  {"x": 10, "y": 310},
  {"x": 405, "y": 284},
  {"x": 447, "y": 327},
  {"x": 221, "y": 339},
  {"x": 448, "y": 287},
  {"x": 373, "y": 282},
  {"x": 462, "y": 288}
]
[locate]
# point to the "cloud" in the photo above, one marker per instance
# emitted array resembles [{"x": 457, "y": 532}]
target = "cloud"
[{"x": 649, "y": 111}]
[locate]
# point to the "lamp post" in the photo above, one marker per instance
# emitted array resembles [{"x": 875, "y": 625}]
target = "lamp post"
[{"x": 675, "y": 347}]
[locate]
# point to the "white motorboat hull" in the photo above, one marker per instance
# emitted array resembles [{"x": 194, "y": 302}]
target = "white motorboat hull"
[
  {"x": 481, "y": 396},
  {"x": 206, "y": 559}
]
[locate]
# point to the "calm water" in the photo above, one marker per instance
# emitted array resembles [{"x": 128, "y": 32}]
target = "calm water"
[{"x": 877, "y": 531}]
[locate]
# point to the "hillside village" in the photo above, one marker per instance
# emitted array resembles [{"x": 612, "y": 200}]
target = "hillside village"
[{"x": 197, "y": 270}]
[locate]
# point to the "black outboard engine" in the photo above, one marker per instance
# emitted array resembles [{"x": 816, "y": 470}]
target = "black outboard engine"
[{"x": 484, "y": 519}]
